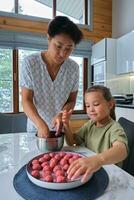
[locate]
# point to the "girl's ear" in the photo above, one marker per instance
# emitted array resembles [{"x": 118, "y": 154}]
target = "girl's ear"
[{"x": 111, "y": 104}]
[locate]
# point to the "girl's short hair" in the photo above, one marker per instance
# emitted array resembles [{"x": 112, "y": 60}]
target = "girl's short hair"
[
  {"x": 61, "y": 24},
  {"x": 106, "y": 94}
]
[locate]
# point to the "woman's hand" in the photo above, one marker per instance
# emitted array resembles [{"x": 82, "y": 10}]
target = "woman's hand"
[
  {"x": 43, "y": 131},
  {"x": 57, "y": 123},
  {"x": 85, "y": 167}
]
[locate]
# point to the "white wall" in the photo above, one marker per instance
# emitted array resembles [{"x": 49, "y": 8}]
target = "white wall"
[{"x": 122, "y": 17}]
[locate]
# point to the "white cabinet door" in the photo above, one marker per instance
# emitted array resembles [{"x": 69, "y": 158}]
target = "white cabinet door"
[
  {"x": 125, "y": 53},
  {"x": 128, "y": 113},
  {"x": 98, "y": 52}
]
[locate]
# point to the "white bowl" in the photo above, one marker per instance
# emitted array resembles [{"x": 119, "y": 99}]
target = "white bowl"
[{"x": 52, "y": 185}]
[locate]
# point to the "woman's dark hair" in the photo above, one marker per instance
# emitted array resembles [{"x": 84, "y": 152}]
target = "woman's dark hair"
[
  {"x": 61, "y": 24},
  {"x": 106, "y": 94}
]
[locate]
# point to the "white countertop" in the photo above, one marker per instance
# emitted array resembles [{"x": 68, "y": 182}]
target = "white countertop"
[{"x": 18, "y": 148}]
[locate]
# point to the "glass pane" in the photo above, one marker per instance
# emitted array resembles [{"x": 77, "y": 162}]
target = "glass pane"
[
  {"x": 79, "y": 102},
  {"x": 7, "y": 5},
  {"x": 6, "y": 81},
  {"x": 22, "y": 54},
  {"x": 38, "y": 8},
  {"x": 74, "y": 9}
]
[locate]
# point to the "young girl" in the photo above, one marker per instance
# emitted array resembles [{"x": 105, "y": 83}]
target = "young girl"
[{"x": 101, "y": 134}]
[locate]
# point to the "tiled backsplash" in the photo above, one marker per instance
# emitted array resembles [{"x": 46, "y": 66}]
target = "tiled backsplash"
[{"x": 122, "y": 84}]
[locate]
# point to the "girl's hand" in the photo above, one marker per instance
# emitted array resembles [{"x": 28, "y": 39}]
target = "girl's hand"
[
  {"x": 43, "y": 131},
  {"x": 85, "y": 167},
  {"x": 66, "y": 117}
]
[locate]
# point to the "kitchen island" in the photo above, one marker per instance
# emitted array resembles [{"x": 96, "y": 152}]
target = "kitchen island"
[{"x": 18, "y": 148}]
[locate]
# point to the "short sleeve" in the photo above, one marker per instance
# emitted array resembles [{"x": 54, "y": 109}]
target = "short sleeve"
[
  {"x": 80, "y": 135},
  {"x": 118, "y": 134},
  {"x": 26, "y": 75}
]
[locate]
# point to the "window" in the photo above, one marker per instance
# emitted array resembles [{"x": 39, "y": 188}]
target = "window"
[
  {"x": 6, "y": 80},
  {"x": 7, "y": 101},
  {"x": 78, "y": 11}
]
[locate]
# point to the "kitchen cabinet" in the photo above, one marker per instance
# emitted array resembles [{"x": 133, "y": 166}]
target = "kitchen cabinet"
[
  {"x": 125, "y": 53},
  {"x": 128, "y": 113},
  {"x": 98, "y": 52},
  {"x": 103, "y": 61}
]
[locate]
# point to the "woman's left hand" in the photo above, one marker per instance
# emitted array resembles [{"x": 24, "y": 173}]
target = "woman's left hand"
[
  {"x": 57, "y": 123},
  {"x": 85, "y": 167}
]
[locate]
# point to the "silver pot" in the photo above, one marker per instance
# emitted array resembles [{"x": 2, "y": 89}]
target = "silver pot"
[{"x": 54, "y": 143}]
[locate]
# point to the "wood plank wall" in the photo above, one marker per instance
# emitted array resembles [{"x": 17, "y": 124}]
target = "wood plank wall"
[{"x": 102, "y": 22}]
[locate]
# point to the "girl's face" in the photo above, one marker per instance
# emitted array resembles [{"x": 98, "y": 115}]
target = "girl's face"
[
  {"x": 60, "y": 48},
  {"x": 98, "y": 109}
]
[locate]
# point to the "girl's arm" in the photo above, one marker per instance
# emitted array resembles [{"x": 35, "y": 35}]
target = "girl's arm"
[
  {"x": 87, "y": 166},
  {"x": 68, "y": 133},
  {"x": 115, "y": 154}
]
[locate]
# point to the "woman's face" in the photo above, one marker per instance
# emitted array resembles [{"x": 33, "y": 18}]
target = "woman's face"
[
  {"x": 60, "y": 48},
  {"x": 98, "y": 109}
]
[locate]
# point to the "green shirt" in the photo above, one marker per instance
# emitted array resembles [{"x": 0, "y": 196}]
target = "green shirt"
[{"x": 99, "y": 139}]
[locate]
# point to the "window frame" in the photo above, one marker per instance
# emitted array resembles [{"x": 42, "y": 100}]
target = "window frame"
[{"x": 15, "y": 59}]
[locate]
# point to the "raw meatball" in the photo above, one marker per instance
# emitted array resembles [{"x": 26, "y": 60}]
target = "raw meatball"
[
  {"x": 47, "y": 168},
  {"x": 47, "y": 157},
  {"x": 57, "y": 157},
  {"x": 36, "y": 166},
  {"x": 61, "y": 179},
  {"x": 57, "y": 167},
  {"x": 63, "y": 161},
  {"x": 48, "y": 178},
  {"x": 62, "y": 154},
  {"x": 67, "y": 156},
  {"x": 35, "y": 162},
  {"x": 59, "y": 172},
  {"x": 52, "y": 164},
  {"x": 45, "y": 173},
  {"x": 42, "y": 159},
  {"x": 65, "y": 167},
  {"x": 45, "y": 164},
  {"x": 35, "y": 173},
  {"x": 52, "y": 154}
]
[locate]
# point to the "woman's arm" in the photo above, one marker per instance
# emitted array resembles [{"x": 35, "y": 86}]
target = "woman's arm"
[
  {"x": 32, "y": 113},
  {"x": 70, "y": 104}
]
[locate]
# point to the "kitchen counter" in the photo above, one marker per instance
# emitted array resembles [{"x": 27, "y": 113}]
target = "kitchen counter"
[
  {"x": 125, "y": 105},
  {"x": 18, "y": 148}
]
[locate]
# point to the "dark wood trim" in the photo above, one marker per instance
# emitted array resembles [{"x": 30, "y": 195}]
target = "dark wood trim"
[
  {"x": 85, "y": 11},
  {"x": 85, "y": 84},
  {"x": 54, "y": 8},
  {"x": 15, "y": 82},
  {"x": 16, "y": 5}
]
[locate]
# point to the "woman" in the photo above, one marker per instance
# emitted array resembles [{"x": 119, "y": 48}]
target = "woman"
[{"x": 49, "y": 80}]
